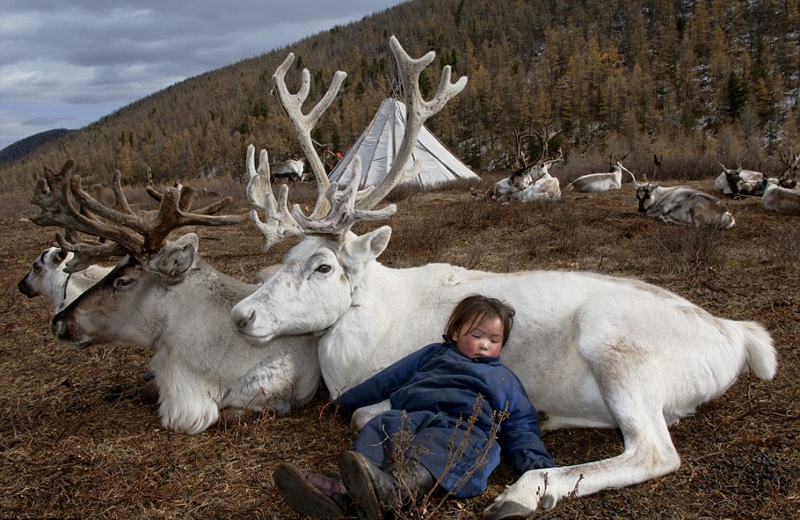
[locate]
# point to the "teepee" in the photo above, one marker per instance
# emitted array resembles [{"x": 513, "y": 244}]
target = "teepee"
[{"x": 379, "y": 143}]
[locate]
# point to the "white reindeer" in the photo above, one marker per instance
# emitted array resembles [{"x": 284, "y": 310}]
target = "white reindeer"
[
  {"x": 780, "y": 199},
  {"x": 544, "y": 186},
  {"x": 505, "y": 188},
  {"x": 680, "y": 204},
  {"x": 291, "y": 169},
  {"x": 531, "y": 182},
  {"x": 164, "y": 296},
  {"x": 48, "y": 277},
  {"x": 587, "y": 354},
  {"x": 736, "y": 182},
  {"x": 596, "y": 182}
]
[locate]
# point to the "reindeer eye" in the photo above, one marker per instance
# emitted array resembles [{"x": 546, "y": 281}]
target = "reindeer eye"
[
  {"x": 324, "y": 268},
  {"x": 37, "y": 268},
  {"x": 122, "y": 283}
]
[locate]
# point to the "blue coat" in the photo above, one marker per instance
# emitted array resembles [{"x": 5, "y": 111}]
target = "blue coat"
[{"x": 434, "y": 392}]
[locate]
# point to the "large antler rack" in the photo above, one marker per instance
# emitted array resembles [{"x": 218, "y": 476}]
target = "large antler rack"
[
  {"x": 211, "y": 209},
  {"x": 280, "y": 223},
  {"x": 61, "y": 199},
  {"x": 544, "y": 136},
  {"x": 337, "y": 210}
]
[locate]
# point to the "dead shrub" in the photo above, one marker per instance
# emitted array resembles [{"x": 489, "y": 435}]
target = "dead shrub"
[
  {"x": 781, "y": 247},
  {"x": 405, "y": 458},
  {"x": 418, "y": 242},
  {"x": 16, "y": 204},
  {"x": 691, "y": 252}
]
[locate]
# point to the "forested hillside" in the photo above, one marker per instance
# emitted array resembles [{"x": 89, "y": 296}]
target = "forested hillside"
[
  {"x": 682, "y": 78},
  {"x": 30, "y": 144}
]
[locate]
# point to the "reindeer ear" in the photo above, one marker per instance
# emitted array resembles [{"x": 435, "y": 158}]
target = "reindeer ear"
[
  {"x": 176, "y": 258},
  {"x": 61, "y": 255},
  {"x": 375, "y": 242},
  {"x": 369, "y": 246}
]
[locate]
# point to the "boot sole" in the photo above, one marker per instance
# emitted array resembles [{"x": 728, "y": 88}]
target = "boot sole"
[
  {"x": 359, "y": 486},
  {"x": 302, "y": 496}
]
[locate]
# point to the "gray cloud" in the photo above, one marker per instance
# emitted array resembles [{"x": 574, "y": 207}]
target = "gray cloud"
[{"x": 73, "y": 62}]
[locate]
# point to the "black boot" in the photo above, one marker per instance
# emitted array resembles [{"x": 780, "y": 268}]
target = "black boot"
[
  {"x": 375, "y": 491},
  {"x": 312, "y": 494}
]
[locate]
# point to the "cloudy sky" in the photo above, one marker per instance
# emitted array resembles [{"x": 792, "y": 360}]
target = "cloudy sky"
[{"x": 66, "y": 64}]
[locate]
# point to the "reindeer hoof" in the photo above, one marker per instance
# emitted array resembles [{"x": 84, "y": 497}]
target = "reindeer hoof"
[
  {"x": 149, "y": 393},
  {"x": 507, "y": 511}
]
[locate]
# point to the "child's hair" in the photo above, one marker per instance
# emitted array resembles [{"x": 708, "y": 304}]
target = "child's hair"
[{"x": 472, "y": 310}]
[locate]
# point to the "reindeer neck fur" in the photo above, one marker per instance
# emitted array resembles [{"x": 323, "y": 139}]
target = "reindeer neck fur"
[
  {"x": 202, "y": 365},
  {"x": 199, "y": 307}
]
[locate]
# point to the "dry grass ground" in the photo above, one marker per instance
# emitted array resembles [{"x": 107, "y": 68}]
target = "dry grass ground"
[{"x": 76, "y": 442}]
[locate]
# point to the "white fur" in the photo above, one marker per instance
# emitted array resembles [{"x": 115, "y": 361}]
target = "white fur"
[
  {"x": 180, "y": 306},
  {"x": 595, "y": 182},
  {"x": 781, "y": 200},
  {"x": 683, "y": 205},
  {"x": 582, "y": 345},
  {"x": 502, "y": 189},
  {"x": 748, "y": 181},
  {"x": 47, "y": 278},
  {"x": 546, "y": 187}
]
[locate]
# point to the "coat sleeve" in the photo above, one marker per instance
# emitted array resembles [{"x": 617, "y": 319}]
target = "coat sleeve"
[
  {"x": 383, "y": 384},
  {"x": 520, "y": 436}
]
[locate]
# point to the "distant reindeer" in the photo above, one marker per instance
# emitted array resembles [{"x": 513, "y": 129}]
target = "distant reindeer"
[
  {"x": 544, "y": 186},
  {"x": 780, "y": 194},
  {"x": 679, "y": 204},
  {"x": 596, "y": 182},
  {"x": 519, "y": 179},
  {"x": 532, "y": 181},
  {"x": 737, "y": 182},
  {"x": 291, "y": 169}
]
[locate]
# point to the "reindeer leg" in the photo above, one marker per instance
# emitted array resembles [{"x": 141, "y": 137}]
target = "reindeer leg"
[{"x": 648, "y": 452}]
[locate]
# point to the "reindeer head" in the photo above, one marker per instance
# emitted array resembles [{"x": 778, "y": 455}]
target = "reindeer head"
[
  {"x": 324, "y": 270},
  {"x": 143, "y": 241}
]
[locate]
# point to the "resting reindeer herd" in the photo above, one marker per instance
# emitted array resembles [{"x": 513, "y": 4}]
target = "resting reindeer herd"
[{"x": 585, "y": 352}]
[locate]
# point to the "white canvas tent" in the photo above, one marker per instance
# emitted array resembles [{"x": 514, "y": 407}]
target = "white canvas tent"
[{"x": 379, "y": 143}]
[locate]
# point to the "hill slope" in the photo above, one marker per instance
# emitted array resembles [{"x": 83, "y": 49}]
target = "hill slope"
[{"x": 23, "y": 147}]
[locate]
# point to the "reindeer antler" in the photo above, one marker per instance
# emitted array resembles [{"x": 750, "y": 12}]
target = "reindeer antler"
[
  {"x": 522, "y": 159},
  {"x": 337, "y": 210},
  {"x": 61, "y": 200},
  {"x": 279, "y": 223},
  {"x": 418, "y": 111},
  {"x": 544, "y": 136},
  {"x": 636, "y": 185},
  {"x": 343, "y": 212},
  {"x": 304, "y": 123}
]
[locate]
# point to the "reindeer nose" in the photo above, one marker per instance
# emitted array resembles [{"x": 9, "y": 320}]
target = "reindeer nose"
[
  {"x": 25, "y": 289},
  {"x": 57, "y": 327},
  {"x": 244, "y": 322}
]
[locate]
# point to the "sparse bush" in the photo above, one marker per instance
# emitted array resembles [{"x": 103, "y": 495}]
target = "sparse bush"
[
  {"x": 781, "y": 247},
  {"x": 16, "y": 204},
  {"x": 405, "y": 457},
  {"x": 692, "y": 252}
]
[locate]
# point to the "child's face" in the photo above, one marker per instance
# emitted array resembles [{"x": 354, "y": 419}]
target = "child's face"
[{"x": 485, "y": 340}]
